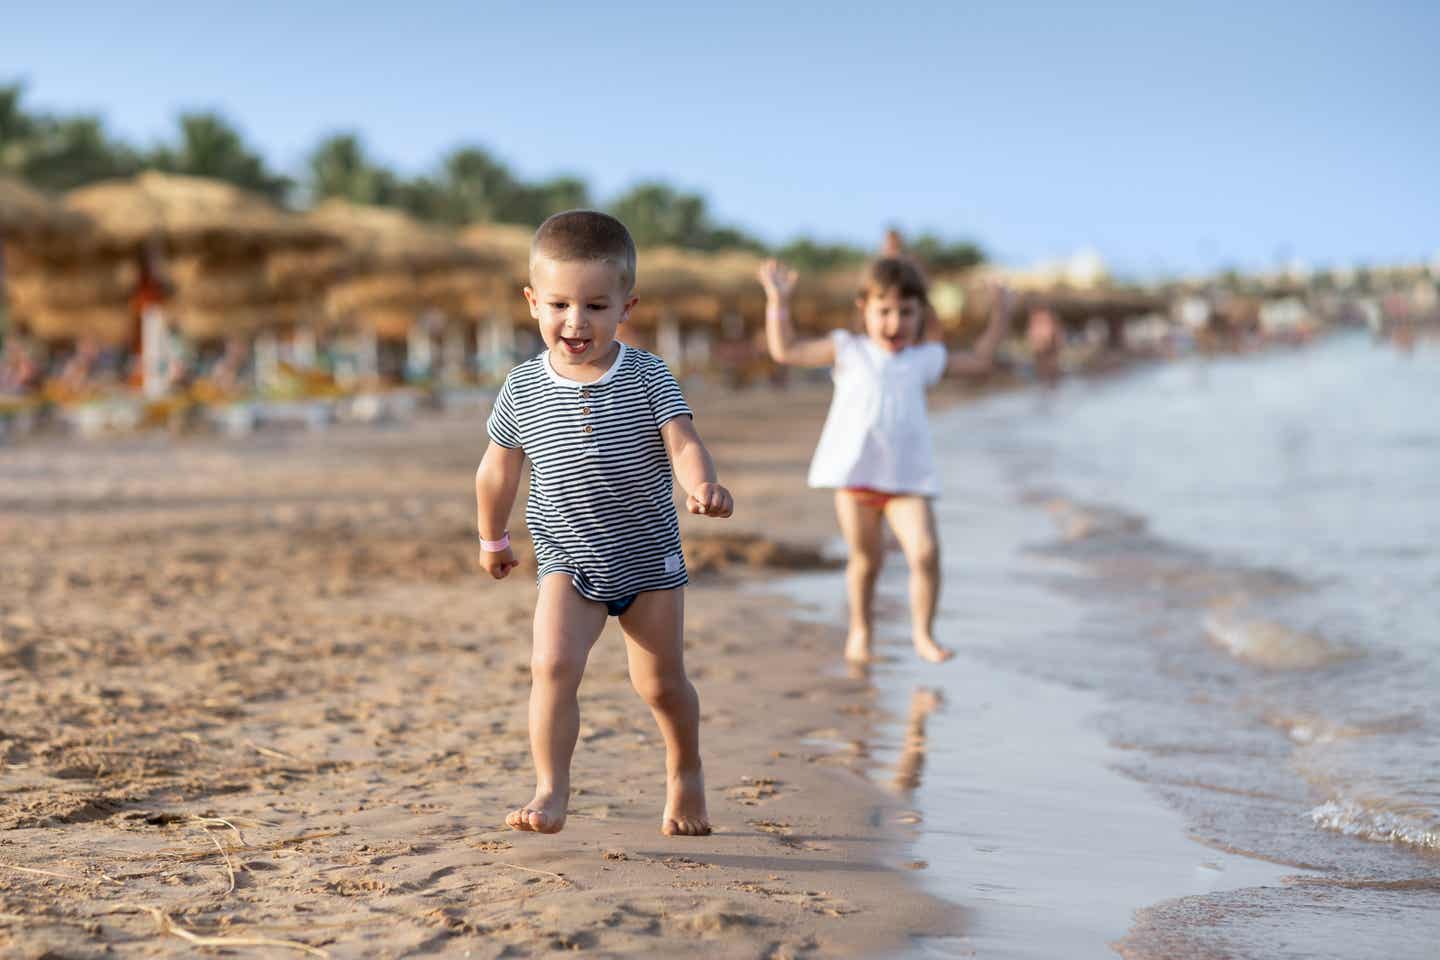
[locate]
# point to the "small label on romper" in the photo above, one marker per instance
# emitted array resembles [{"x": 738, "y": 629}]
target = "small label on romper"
[{"x": 672, "y": 563}]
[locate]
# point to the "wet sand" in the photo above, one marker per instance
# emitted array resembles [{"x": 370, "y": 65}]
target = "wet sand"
[{"x": 256, "y": 691}]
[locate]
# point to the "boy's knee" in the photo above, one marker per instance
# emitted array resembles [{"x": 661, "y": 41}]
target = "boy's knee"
[
  {"x": 555, "y": 666},
  {"x": 663, "y": 691}
]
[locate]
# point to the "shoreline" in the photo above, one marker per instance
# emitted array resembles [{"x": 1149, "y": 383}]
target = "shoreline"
[{"x": 258, "y": 687}]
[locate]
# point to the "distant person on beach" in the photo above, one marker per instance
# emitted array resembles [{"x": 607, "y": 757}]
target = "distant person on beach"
[
  {"x": 1042, "y": 337},
  {"x": 19, "y": 371},
  {"x": 875, "y": 447},
  {"x": 602, "y": 424}
]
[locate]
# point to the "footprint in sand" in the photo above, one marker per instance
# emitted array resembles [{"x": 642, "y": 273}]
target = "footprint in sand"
[
  {"x": 815, "y": 901},
  {"x": 751, "y": 791},
  {"x": 491, "y": 846},
  {"x": 715, "y": 921},
  {"x": 359, "y": 888},
  {"x": 791, "y": 951},
  {"x": 785, "y": 834},
  {"x": 685, "y": 863}
]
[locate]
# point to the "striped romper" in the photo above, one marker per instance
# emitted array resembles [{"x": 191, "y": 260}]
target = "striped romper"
[{"x": 601, "y": 505}]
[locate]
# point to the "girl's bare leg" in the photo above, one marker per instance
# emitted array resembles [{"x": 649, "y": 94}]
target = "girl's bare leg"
[
  {"x": 655, "y": 644},
  {"x": 566, "y": 627},
  {"x": 860, "y": 524},
  {"x": 911, "y": 762},
  {"x": 914, "y": 524}
]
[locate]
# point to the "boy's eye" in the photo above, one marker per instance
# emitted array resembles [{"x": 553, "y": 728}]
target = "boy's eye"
[
  {"x": 597, "y": 306},
  {"x": 558, "y": 304}
]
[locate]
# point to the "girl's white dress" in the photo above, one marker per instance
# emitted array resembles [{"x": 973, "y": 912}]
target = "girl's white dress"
[{"x": 877, "y": 434}]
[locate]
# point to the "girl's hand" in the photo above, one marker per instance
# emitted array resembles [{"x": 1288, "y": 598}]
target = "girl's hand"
[
  {"x": 1003, "y": 296},
  {"x": 777, "y": 279},
  {"x": 498, "y": 563},
  {"x": 710, "y": 500}
]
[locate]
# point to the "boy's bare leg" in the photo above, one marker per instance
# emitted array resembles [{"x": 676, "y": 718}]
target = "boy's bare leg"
[
  {"x": 860, "y": 524},
  {"x": 655, "y": 643},
  {"x": 914, "y": 524},
  {"x": 566, "y": 627}
]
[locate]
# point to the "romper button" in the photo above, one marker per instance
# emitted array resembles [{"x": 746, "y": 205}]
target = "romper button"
[
  {"x": 585, "y": 411},
  {"x": 588, "y": 428}
]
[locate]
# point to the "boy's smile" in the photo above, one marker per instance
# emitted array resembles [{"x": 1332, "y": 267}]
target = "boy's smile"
[{"x": 579, "y": 305}]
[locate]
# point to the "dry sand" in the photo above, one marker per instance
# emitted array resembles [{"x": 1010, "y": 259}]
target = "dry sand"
[{"x": 256, "y": 690}]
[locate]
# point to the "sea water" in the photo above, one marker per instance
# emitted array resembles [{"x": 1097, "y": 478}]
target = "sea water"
[{"x": 1197, "y": 614}]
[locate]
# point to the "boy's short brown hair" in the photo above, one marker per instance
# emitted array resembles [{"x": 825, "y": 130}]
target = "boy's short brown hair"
[
  {"x": 900, "y": 274},
  {"x": 586, "y": 235}
]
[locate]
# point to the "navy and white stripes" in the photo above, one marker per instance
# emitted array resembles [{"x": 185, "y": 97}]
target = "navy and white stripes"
[{"x": 601, "y": 504}]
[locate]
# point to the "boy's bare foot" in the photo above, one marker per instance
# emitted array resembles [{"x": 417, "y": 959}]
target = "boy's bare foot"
[
  {"x": 544, "y": 814},
  {"x": 928, "y": 649},
  {"x": 857, "y": 647},
  {"x": 685, "y": 814}
]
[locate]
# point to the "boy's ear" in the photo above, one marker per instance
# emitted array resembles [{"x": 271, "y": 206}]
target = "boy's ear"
[
  {"x": 530, "y": 301},
  {"x": 625, "y": 310}
]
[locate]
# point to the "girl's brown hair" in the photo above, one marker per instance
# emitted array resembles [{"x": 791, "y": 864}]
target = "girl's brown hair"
[
  {"x": 895, "y": 273},
  {"x": 905, "y": 277}
]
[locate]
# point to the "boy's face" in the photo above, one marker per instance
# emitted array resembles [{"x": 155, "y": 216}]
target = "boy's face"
[
  {"x": 579, "y": 305},
  {"x": 891, "y": 320}
]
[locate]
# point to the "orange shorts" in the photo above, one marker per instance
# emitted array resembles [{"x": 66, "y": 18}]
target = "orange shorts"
[{"x": 876, "y": 499}]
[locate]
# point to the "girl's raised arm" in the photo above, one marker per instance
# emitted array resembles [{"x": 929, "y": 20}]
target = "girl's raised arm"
[
  {"x": 785, "y": 347},
  {"x": 981, "y": 358}
]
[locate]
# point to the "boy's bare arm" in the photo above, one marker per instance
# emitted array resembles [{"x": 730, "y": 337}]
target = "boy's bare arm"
[
  {"x": 497, "y": 481},
  {"x": 980, "y": 359},
  {"x": 695, "y": 469},
  {"x": 780, "y": 337}
]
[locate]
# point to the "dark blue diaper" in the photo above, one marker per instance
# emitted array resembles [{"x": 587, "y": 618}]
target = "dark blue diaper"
[{"x": 618, "y": 607}]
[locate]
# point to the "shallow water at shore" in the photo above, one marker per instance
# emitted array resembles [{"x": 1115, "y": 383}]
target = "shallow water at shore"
[{"x": 1193, "y": 702}]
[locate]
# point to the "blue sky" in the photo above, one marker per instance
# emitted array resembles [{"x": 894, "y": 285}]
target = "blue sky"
[{"x": 1169, "y": 137}]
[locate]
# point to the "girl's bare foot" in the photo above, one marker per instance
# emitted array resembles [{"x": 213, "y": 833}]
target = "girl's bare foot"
[
  {"x": 685, "y": 814},
  {"x": 929, "y": 650},
  {"x": 857, "y": 647},
  {"x": 544, "y": 814}
]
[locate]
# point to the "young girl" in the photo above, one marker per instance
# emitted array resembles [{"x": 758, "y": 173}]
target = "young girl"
[{"x": 875, "y": 448}]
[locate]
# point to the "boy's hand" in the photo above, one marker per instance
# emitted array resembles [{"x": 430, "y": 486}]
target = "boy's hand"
[
  {"x": 777, "y": 279},
  {"x": 711, "y": 500},
  {"x": 498, "y": 563}
]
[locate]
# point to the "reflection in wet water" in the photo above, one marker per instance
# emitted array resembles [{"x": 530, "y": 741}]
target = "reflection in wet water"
[{"x": 911, "y": 762}]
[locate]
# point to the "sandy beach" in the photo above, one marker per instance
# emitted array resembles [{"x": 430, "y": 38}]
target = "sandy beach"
[{"x": 258, "y": 696}]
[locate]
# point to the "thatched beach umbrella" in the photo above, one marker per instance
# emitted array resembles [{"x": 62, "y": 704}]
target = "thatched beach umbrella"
[
  {"x": 1073, "y": 306},
  {"x": 509, "y": 245},
  {"x": 165, "y": 252},
  {"x": 28, "y": 220},
  {"x": 189, "y": 214},
  {"x": 218, "y": 243},
  {"x": 28, "y": 214},
  {"x": 392, "y": 261},
  {"x": 403, "y": 279},
  {"x": 62, "y": 298},
  {"x": 825, "y": 300},
  {"x": 210, "y": 239}
]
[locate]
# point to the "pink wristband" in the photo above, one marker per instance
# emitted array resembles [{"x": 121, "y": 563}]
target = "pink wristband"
[{"x": 495, "y": 546}]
